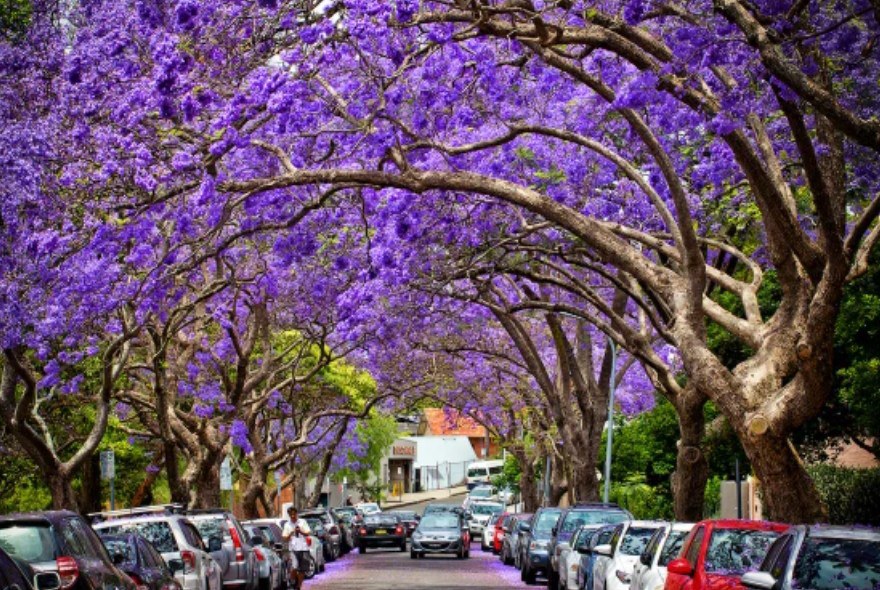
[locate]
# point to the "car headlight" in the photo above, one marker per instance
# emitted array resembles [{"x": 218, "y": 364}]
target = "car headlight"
[{"x": 538, "y": 545}]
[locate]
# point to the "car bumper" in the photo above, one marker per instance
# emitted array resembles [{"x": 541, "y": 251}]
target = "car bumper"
[
  {"x": 538, "y": 560},
  {"x": 381, "y": 540},
  {"x": 437, "y": 546}
]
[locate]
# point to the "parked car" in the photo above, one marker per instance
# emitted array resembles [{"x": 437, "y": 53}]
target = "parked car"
[
  {"x": 820, "y": 558},
  {"x": 173, "y": 536},
  {"x": 366, "y": 508},
  {"x": 140, "y": 561},
  {"x": 16, "y": 573},
  {"x": 441, "y": 532},
  {"x": 480, "y": 513},
  {"x": 334, "y": 532},
  {"x": 487, "y": 538},
  {"x": 319, "y": 532},
  {"x": 409, "y": 519},
  {"x": 717, "y": 552},
  {"x": 590, "y": 560},
  {"x": 382, "y": 529},
  {"x": 536, "y": 543},
  {"x": 570, "y": 557},
  {"x": 498, "y": 533},
  {"x": 269, "y": 564},
  {"x": 480, "y": 494},
  {"x": 271, "y": 530},
  {"x": 229, "y": 547},
  {"x": 570, "y": 520},
  {"x": 627, "y": 543},
  {"x": 62, "y": 542},
  {"x": 348, "y": 518},
  {"x": 511, "y": 537},
  {"x": 665, "y": 545},
  {"x": 515, "y": 539}
]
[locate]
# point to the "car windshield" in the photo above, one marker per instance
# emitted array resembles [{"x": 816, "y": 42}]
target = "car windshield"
[
  {"x": 31, "y": 542},
  {"x": 158, "y": 533},
  {"x": 546, "y": 521},
  {"x": 481, "y": 492},
  {"x": 733, "y": 552},
  {"x": 315, "y": 524},
  {"x": 829, "y": 564},
  {"x": 120, "y": 547},
  {"x": 405, "y": 515},
  {"x": 439, "y": 521},
  {"x": 635, "y": 540},
  {"x": 477, "y": 472},
  {"x": 211, "y": 527},
  {"x": 672, "y": 547},
  {"x": 486, "y": 508}
]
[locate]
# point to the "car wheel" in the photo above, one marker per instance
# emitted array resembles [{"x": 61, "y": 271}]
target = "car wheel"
[
  {"x": 403, "y": 547},
  {"x": 527, "y": 575},
  {"x": 313, "y": 568},
  {"x": 413, "y": 555},
  {"x": 362, "y": 549},
  {"x": 553, "y": 580}
]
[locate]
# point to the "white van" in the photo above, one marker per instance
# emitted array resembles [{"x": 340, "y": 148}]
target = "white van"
[{"x": 482, "y": 472}]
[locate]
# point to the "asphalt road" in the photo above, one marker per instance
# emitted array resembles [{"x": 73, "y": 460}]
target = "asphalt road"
[{"x": 388, "y": 569}]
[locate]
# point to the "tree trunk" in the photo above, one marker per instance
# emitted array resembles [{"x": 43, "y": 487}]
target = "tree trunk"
[
  {"x": 176, "y": 485},
  {"x": 528, "y": 486},
  {"x": 254, "y": 492},
  {"x": 90, "y": 496},
  {"x": 59, "y": 483},
  {"x": 788, "y": 493},
  {"x": 205, "y": 488},
  {"x": 144, "y": 492},
  {"x": 691, "y": 468}
]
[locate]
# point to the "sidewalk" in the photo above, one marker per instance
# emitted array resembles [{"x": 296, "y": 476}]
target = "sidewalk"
[{"x": 443, "y": 495}]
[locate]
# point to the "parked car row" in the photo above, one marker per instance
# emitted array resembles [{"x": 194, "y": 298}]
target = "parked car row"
[
  {"x": 160, "y": 548},
  {"x": 601, "y": 547}
]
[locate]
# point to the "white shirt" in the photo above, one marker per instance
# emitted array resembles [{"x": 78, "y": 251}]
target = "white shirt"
[{"x": 297, "y": 543}]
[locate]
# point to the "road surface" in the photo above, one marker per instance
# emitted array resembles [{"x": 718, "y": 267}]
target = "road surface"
[{"x": 389, "y": 569}]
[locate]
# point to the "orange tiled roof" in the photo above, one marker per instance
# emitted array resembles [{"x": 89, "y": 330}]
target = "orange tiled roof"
[{"x": 443, "y": 422}]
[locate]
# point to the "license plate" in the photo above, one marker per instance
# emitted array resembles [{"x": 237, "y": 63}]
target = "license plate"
[{"x": 381, "y": 532}]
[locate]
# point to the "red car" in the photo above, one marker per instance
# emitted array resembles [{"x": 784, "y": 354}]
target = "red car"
[
  {"x": 717, "y": 552},
  {"x": 498, "y": 535}
]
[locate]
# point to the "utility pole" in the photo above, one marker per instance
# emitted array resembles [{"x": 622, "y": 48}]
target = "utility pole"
[{"x": 611, "y": 387}]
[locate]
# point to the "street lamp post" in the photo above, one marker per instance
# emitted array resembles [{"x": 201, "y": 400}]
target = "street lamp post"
[{"x": 611, "y": 388}]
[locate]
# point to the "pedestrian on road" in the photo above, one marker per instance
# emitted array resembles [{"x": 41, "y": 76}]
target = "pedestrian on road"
[
  {"x": 295, "y": 532},
  {"x": 348, "y": 501}
]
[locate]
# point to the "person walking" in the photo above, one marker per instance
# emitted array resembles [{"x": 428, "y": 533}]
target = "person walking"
[{"x": 295, "y": 532}]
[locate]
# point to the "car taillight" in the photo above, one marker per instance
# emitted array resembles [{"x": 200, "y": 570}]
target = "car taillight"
[
  {"x": 68, "y": 571},
  {"x": 334, "y": 530},
  {"x": 399, "y": 530},
  {"x": 236, "y": 542},
  {"x": 308, "y": 541},
  {"x": 189, "y": 561},
  {"x": 363, "y": 531},
  {"x": 138, "y": 582}
]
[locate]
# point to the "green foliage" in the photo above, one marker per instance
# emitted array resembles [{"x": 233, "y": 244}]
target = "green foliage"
[
  {"x": 712, "y": 499},
  {"x": 510, "y": 474},
  {"x": 851, "y": 495},
  {"x": 642, "y": 500},
  {"x": 377, "y": 433}
]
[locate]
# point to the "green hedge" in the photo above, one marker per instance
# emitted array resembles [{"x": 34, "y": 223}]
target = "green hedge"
[{"x": 851, "y": 495}]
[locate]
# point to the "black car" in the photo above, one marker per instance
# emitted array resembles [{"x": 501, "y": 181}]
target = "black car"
[
  {"x": 535, "y": 543},
  {"x": 409, "y": 519},
  {"x": 61, "y": 541},
  {"x": 382, "y": 529},
  {"x": 141, "y": 562},
  {"x": 16, "y": 573},
  {"x": 441, "y": 532},
  {"x": 570, "y": 520}
]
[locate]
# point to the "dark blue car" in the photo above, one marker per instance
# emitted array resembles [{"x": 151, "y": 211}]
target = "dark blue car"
[{"x": 141, "y": 562}]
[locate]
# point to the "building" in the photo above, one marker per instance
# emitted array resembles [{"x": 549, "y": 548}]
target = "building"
[{"x": 448, "y": 422}]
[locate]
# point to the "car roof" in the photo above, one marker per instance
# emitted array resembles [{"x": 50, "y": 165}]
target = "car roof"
[
  {"x": 683, "y": 526},
  {"x": 48, "y": 516},
  {"x": 861, "y": 533},
  {"x": 752, "y": 525},
  {"x": 135, "y": 518}
]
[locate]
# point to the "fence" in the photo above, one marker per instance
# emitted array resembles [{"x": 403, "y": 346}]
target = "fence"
[{"x": 441, "y": 476}]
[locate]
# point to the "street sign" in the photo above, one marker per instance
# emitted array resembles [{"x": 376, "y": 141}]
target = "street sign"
[
  {"x": 226, "y": 475},
  {"x": 108, "y": 465}
]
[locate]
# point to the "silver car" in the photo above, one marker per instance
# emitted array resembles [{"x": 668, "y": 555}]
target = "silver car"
[
  {"x": 270, "y": 565},
  {"x": 229, "y": 547},
  {"x": 173, "y": 536}
]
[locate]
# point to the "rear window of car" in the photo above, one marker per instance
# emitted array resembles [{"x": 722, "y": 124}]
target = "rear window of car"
[
  {"x": 486, "y": 508},
  {"x": 158, "y": 533},
  {"x": 211, "y": 527},
  {"x": 120, "y": 547},
  {"x": 734, "y": 552},
  {"x": 546, "y": 521},
  {"x": 440, "y": 521},
  {"x": 31, "y": 542},
  {"x": 381, "y": 519},
  {"x": 577, "y": 518},
  {"x": 831, "y": 564}
]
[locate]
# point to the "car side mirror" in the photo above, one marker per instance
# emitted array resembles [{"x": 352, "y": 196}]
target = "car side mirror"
[
  {"x": 525, "y": 527},
  {"x": 215, "y": 544},
  {"x": 680, "y": 566},
  {"x": 47, "y": 581},
  {"x": 175, "y": 565},
  {"x": 257, "y": 540},
  {"x": 645, "y": 558},
  {"x": 759, "y": 580},
  {"x": 603, "y": 550}
]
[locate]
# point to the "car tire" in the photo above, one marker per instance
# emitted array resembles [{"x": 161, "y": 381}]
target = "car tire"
[
  {"x": 527, "y": 575},
  {"x": 403, "y": 547},
  {"x": 413, "y": 555},
  {"x": 552, "y": 580},
  {"x": 362, "y": 549}
]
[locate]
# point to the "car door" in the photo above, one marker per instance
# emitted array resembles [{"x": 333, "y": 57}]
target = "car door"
[
  {"x": 692, "y": 554},
  {"x": 646, "y": 559},
  {"x": 11, "y": 577}
]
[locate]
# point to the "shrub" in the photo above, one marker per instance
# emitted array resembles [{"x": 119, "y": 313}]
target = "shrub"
[{"x": 851, "y": 495}]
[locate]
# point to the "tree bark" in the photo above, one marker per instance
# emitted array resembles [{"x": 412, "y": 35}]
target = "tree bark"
[
  {"x": 90, "y": 496},
  {"x": 205, "y": 487},
  {"x": 691, "y": 468},
  {"x": 59, "y": 483},
  {"x": 528, "y": 486}
]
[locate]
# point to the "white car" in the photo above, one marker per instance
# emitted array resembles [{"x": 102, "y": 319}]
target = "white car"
[
  {"x": 481, "y": 494},
  {"x": 481, "y": 513},
  {"x": 570, "y": 556},
  {"x": 626, "y": 545},
  {"x": 488, "y": 536},
  {"x": 368, "y": 508},
  {"x": 664, "y": 546}
]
